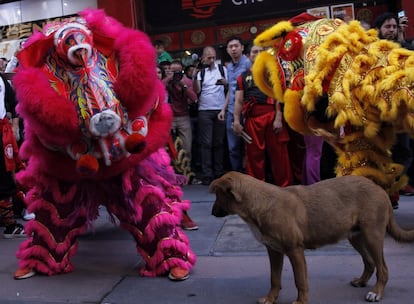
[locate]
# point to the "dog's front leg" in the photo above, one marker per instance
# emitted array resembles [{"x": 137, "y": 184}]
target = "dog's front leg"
[
  {"x": 276, "y": 265},
  {"x": 297, "y": 259}
]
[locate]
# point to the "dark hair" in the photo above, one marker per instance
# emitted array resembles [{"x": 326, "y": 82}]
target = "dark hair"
[
  {"x": 158, "y": 42},
  {"x": 379, "y": 21},
  {"x": 234, "y": 38},
  {"x": 176, "y": 61},
  {"x": 164, "y": 63},
  {"x": 162, "y": 71},
  {"x": 188, "y": 67}
]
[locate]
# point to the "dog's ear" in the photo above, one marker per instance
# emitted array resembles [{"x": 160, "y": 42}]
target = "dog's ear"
[
  {"x": 225, "y": 185},
  {"x": 222, "y": 184},
  {"x": 213, "y": 186}
]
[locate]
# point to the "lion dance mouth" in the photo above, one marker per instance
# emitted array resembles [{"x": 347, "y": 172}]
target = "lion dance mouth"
[{"x": 360, "y": 85}]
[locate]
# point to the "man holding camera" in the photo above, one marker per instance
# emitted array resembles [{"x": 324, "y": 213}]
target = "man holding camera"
[
  {"x": 180, "y": 95},
  {"x": 209, "y": 81}
]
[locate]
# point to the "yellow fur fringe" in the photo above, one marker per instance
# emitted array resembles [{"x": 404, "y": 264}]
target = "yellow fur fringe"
[
  {"x": 269, "y": 37},
  {"x": 265, "y": 70}
]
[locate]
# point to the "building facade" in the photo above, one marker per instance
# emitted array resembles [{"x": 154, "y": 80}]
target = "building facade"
[{"x": 188, "y": 25}]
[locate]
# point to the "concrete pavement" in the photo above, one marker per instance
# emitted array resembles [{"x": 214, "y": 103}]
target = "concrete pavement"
[{"x": 232, "y": 267}]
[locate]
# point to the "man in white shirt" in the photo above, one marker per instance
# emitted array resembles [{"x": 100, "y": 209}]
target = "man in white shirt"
[{"x": 210, "y": 83}]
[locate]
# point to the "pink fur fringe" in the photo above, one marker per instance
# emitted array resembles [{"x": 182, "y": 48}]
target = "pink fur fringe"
[{"x": 151, "y": 185}]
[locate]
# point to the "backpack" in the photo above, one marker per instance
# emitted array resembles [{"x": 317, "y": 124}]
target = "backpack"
[{"x": 203, "y": 72}]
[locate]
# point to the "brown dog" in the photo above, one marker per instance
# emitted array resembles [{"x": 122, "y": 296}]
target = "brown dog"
[{"x": 292, "y": 219}]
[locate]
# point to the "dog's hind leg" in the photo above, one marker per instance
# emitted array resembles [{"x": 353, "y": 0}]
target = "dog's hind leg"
[
  {"x": 375, "y": 245},
  {"x": 358, "y": 242},
  {"x": 297, "y": 259},
  {"x": 276, "y": 266}
]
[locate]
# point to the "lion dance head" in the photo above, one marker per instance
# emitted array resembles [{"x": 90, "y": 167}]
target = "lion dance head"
[{"x": 342, "y": 82}]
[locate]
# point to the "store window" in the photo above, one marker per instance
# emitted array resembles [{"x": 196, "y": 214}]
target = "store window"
[
  {"x": 26, "y": 11},
  {"x": 19, "y": 18}
]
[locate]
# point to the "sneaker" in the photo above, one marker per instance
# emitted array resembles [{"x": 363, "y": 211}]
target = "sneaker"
[
  {"x": 24, "y": 273},
  {"x": 14, "y": 231},
  {"x": 27, "y": 216},
  {"x": 195, "y": 181},
  {"x": 407, "y": 190},
  {"x": 178, "y": 274},
  {"x": 187, "y": 223}
]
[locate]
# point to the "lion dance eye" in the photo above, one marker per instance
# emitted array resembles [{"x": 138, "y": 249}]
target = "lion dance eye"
[
  {"x": 73, "y": 43},
  {"x": 291, "y": 47}
]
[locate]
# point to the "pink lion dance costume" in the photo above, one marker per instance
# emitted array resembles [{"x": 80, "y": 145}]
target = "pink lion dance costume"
[{"x": 95, "y": 128}]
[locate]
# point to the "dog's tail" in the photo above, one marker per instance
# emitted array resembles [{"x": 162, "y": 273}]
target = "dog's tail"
[{"x": 398, "y": 233}]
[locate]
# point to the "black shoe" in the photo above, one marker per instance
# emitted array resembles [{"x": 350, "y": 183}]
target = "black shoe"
[{"x": 14, "y": 231}]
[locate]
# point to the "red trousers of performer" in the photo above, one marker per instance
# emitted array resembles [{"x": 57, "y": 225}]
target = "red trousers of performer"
[{"x": 266, "y": 144}]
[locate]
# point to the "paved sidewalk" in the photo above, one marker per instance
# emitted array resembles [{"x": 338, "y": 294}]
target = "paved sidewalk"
[{"x": 232, "y": 267}]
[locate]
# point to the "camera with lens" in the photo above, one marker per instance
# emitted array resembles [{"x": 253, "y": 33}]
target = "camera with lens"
[
  {"x": 178, "y": 75},
  {"x": 198, "y": 62},
  {"x": 202, "y": 65}
]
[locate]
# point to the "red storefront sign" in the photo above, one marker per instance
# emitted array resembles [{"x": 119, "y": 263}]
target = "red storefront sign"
[{"x": 198, "y": 38}]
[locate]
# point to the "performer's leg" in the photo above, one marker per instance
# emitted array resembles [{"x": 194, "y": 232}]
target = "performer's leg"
[
  {"x": 155, "y": 219},
  {"x": 13, "y": 229},
  {"x": 278, "y": 152},
  {"x": 296, "y": 150},
  {"x": 311, "y": 165},
  {"x": 53, "y": 232},
  {"x": 255, "y": 151}
]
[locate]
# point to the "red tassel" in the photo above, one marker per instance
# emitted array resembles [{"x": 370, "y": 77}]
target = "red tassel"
[
  {"x": 87, "y": 165},
  {"x": 135, "y": 143}
]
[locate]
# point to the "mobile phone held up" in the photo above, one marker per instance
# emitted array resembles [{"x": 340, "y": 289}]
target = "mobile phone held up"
[
  {"x": 401, "y": 14},
  {"x": 220, "y": 82}
]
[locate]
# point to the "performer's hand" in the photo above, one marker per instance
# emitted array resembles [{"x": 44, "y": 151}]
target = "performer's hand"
[
  {"x": 16, "y": 132},
  {"x": 237, "y": 128},
  {"x": 330, "y": 138},
  {"x": 277, "y": 125}
]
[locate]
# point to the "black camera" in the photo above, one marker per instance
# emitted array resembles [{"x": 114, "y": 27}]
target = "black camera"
[
  {"x": 202, "y": 65},
  {"x": 178, "y": 75}
]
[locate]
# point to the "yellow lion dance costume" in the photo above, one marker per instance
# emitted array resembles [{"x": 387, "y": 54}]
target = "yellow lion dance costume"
[{"x": 344, "y": 83}]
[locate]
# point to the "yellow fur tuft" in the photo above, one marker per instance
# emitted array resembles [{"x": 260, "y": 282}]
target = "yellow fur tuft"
[
  {"x": 269, "y": 37},
  {"x": 294, "y": 113},
  {"x": 265, "y": 70}
]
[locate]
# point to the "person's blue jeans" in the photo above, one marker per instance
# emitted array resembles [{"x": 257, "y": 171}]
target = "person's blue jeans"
[{"x": 235, "y": 145}]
